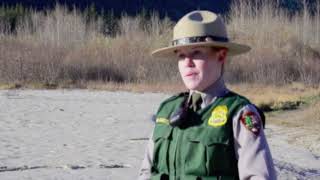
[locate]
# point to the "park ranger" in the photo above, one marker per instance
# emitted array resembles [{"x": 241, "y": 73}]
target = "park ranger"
[{"x": 208, "y": 132}]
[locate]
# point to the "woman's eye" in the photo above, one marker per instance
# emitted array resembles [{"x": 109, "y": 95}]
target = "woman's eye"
[
  {"x": 196, "y": 53},
  {"x": 181, "y": 56}
]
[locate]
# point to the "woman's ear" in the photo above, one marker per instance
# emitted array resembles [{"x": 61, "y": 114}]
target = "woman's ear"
[{"x": 222, "y": 55}]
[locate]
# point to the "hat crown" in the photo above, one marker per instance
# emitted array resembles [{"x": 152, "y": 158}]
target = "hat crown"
[
  {"x": 200, "y": 23},
  {"x": 201, "y": 28}
]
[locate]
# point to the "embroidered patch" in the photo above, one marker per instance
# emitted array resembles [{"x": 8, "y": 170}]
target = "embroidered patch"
[
  {"x": 218, "y": 116},
  {"x": 251, "y": 122},
  {"x": 162, "y": 121}
]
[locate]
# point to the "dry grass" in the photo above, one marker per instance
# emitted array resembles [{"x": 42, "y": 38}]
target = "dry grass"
[
  {"x": 271, "y": 97},
  {"x": 312, "y": 113},
  {"x": 307, "y": 117},
  {"x": 284, "y": 49},
  {"x": 60, "y": 46}
]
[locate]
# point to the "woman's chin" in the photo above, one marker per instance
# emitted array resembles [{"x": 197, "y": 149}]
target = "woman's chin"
[{"x": 192, "y": 86}]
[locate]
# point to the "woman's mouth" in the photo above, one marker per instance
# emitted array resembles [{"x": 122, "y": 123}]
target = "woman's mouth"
[{"x": 191, "y": 74}]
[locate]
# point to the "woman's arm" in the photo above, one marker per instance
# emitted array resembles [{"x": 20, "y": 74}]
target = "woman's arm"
[
  {"x": 145, "y": 170},
  {"x": 251, "y": 147}
]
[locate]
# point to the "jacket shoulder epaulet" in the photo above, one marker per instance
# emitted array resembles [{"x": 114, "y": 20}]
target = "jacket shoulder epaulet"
[{"x": 172, "y": 98}]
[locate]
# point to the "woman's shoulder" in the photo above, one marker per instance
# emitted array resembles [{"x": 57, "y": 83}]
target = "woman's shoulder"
[
  {"x": 236, "y": 97},
  {"x": 175, "y": 97}
]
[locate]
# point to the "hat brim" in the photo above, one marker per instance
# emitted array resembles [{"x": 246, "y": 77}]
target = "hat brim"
[{"x": 233, "y": 48}]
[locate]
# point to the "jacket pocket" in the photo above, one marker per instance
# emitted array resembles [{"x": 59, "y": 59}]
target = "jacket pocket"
[
  {"x": 161, "y": 139},
  {"x": 205, "y": 153},
  {"x": 220, "y": 156}
]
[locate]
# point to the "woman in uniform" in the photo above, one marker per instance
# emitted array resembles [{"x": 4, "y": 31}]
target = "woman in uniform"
[{"x": 208, "y": 132}]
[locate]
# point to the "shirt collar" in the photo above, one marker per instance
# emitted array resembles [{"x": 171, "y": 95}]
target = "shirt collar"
[{"x": 217, "y": 89}]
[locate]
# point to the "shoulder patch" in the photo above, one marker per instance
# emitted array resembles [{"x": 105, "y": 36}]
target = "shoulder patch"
[
  {"x": 218, "y": 116},
  {"x": 251, "y": 121}
]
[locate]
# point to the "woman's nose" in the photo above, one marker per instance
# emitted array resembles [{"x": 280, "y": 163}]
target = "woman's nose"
[{"x": 188, "y": 62}]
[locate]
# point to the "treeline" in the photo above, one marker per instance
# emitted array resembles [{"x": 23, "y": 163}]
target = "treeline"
[
  {"x": 173, "y": 8},
  {"x": 111, "y": 11},
  {"x": 11, "y": 15}
]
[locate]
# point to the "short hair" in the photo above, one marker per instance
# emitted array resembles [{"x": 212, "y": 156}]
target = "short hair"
[{"x": 216, "y": 49}]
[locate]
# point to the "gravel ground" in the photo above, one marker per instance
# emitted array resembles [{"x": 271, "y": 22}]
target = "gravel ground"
[{"x": 82, "y": 134}]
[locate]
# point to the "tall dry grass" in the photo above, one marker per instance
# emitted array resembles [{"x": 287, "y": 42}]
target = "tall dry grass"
[
  {"x": 285, "y": 48},
  {"x": 62, "y": 47}
]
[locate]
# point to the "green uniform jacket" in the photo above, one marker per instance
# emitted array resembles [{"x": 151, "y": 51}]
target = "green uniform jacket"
[{"x": 202, "y": 148}]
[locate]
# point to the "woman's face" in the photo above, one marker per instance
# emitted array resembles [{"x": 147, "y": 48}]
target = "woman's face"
[{"x": 199, "y": 67}]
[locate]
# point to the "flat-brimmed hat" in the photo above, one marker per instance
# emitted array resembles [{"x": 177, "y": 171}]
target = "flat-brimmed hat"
[{"x": 201, "y": 28}]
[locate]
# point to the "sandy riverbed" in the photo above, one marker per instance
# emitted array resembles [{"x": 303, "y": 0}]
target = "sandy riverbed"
[{"x": 81, "y": 134}]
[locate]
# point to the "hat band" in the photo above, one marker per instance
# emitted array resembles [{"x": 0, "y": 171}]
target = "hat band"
[{"x": 198, "y": 39}]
